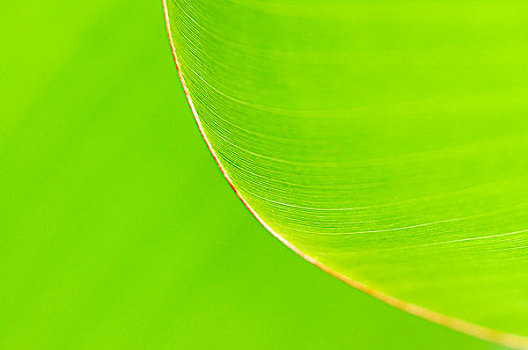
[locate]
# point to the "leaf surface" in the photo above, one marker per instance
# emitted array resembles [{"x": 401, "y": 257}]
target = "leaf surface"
[{"x": 384, "y": 141}]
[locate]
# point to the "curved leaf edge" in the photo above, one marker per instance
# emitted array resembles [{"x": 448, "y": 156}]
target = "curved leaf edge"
[{"x": 484, "y": 333}]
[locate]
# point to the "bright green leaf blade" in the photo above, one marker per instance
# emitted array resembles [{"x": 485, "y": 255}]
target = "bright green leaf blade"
[{"x": 385, "y": 141}]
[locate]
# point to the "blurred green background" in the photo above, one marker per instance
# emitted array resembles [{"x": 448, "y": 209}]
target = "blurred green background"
[{"x": 117, "y": 229}]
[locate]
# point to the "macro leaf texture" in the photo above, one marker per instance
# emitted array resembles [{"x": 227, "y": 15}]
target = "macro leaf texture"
[{"x": 384, "y": 141}]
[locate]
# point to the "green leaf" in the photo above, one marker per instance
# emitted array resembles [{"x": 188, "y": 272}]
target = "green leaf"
[{"x": 384, "y": 141}]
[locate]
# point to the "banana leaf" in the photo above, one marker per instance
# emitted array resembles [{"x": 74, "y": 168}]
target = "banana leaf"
[{"x": 384, "y": 141}]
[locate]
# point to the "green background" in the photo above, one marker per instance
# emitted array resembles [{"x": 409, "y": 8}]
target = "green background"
[{"x": 118, "y": 231}]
